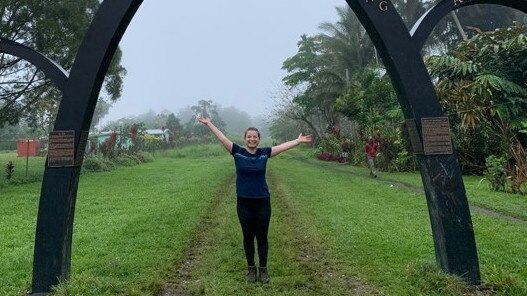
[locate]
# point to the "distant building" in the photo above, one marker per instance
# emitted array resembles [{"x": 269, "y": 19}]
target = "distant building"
[
  {"x": 95, "y": 140},
  {"x": 163, "y": 134}
]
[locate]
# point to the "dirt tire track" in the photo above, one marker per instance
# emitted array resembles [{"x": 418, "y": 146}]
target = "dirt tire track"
[
  {"x": 322, "y": 270},
  {"x": 177, "y": 284}
]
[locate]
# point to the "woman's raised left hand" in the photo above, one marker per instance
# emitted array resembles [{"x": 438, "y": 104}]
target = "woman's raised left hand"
[{"x": 304, "y": 139}]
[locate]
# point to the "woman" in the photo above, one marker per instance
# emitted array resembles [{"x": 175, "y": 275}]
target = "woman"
[{"x": 253, "y": 202}]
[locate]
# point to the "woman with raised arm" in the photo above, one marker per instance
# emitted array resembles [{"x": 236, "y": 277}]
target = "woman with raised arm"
[{"x": 253, "y": 202}]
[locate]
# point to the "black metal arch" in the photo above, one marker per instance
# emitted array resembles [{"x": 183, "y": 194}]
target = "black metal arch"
[
  {"x": 52, "y": 70},
  {"x": 426, "y": 23},
  {"x": 52, "y": 256},
  {"x": 452, "y": 229},
  {"x": 450, "y": 219}
]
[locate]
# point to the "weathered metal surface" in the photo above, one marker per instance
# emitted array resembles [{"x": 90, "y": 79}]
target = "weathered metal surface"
[
  {"x": 52, "y": 259},
  {"x": 53, "y": 71}
]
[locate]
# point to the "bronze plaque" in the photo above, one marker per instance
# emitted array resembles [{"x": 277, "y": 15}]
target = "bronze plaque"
[
  {"x": 61, "y": 149},
  {"x": 436, "y": 136},
  {"x": 417, "y": 145}
]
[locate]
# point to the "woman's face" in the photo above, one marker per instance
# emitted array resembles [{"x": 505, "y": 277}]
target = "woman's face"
[{"x": 251, "y": 139}]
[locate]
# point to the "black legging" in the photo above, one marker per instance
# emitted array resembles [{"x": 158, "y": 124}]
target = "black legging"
[{"x": 255, "y": 215}]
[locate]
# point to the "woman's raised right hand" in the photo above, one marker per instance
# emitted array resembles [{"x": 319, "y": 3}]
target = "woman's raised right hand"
[{"x": 202, "y": 119}]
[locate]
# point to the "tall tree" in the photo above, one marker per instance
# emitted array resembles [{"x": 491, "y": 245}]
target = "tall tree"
[
  {"x": 326, "y": 64},
  {"x": 312, "y": 80},
  {"x": 371, "y": 101},
  {"x": 174, "y": 126},
  {"x": 56, "y": 29},
  {"x": 304, "y": 65},
  {"x": 209, "y": 109},
  {"x": 346, "y": 45},
  {"x": 288, "y": 106}
]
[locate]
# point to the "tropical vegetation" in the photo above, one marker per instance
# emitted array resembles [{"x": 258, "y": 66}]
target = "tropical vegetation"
[{"x": 337, "y": 89}]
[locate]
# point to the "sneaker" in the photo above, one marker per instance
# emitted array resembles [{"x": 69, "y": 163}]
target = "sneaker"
[
  {"x": 251, "y": 274},
  {"x": 264, "y": 276}
]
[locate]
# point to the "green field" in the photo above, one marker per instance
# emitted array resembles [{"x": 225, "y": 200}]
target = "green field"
[
  {"x": 170, "y": 228},
  {"x": 27, "y": 170}
]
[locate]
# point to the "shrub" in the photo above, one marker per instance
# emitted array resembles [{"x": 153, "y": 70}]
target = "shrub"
[
  {"x": 127, "y": 160},
  {"x": 144, "y": 156},
  {"x": 404, "y": 162},
  {"x": 150, "y": 143},
  {"x": 109, "y": 145},
  {"x": 330, "y": 148},
  {"x": 9, "y": 170},
  {"x": 330, "y": 143},
  {"x": 495, "y": 172},
  {"x": 97, "y": 164},
  {"x": 518, "y": 169}
]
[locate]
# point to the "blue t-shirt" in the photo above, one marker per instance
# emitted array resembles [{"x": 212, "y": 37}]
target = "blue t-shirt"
[{"x": 250, "y": 172}]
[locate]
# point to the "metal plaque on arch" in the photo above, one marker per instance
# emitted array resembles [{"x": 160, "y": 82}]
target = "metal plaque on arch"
[
  {"x": 436, "y": 136},
  {"x": 61, "y": 149}
]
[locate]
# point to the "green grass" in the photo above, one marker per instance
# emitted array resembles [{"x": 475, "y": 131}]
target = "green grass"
[
  {"x": 357, "y": 219},
  {"x": 171, "y": 225},
  {"x": 34, "y": 166},
  {"x": 389, "y": 226},
  {"x": 478, "y": 194},
  {"x": 130, "y": 225},
  {"x": 510, "y": 204}
]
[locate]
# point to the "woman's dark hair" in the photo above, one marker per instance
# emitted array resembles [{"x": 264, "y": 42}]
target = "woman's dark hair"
[{"x": 251, "y": 129}]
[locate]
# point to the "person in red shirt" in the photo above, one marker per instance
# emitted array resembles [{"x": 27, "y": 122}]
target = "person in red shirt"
[{"x": 372, "y": 151}]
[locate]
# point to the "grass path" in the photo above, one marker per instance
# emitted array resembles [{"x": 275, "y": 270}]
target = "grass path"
[
  {"x": 177, "y": 282},
  {"x": 335, "y": 235},
  {"x": 214, "y": 262},
  {"x": 391, "y": 179}
]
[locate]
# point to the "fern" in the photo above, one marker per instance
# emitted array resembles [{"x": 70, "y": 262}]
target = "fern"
[{"x": 500, "y": 84}]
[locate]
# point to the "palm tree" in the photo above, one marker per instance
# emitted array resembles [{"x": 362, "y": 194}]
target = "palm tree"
[{"x": 347, "y": 47}]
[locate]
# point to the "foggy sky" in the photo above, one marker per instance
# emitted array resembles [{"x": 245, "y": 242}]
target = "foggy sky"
[{"x": 230, "y": 51}]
